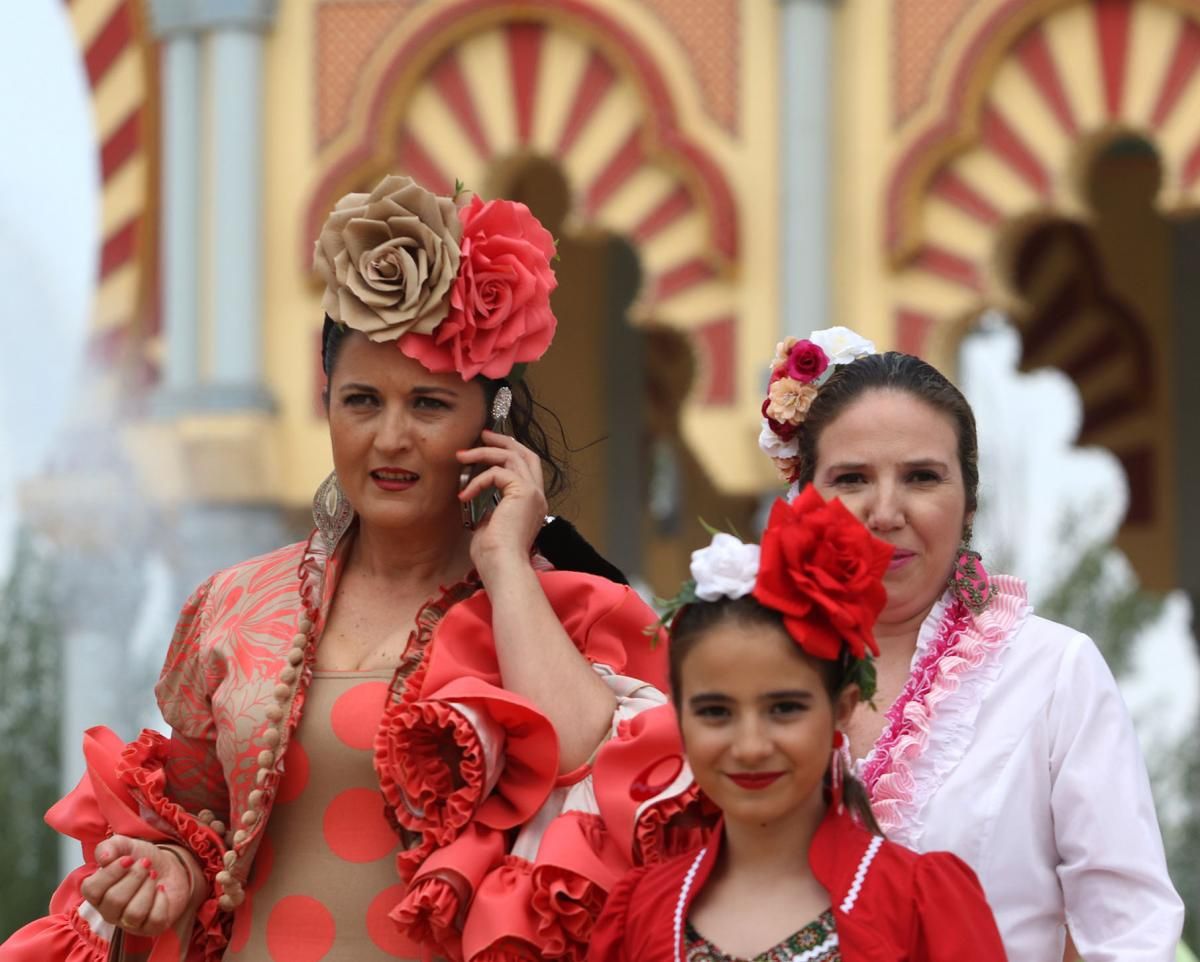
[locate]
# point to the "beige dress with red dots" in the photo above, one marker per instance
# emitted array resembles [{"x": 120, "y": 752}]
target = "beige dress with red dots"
[{"x": 324, "y": 878}]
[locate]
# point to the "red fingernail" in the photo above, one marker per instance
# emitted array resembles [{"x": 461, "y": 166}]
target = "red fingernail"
[
  {"x": 153, "y": 874},
  {"x": 146, "y": 863},
  {"x": 127, "y": 861},
  {"x": 161, "y": 887}
]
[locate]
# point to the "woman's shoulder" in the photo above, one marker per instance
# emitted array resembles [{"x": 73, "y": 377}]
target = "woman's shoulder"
[
  {"x": 1042, "y": 646},
  {"x": 259, "y": 571},
  {"x": 653, "y": 886}
]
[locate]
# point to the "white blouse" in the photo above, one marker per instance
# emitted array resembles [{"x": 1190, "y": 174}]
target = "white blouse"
[{"x": 1030, "y": 771}]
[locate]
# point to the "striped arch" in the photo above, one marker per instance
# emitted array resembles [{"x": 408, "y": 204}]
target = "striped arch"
[
  {"x": 121, "y": 72},
  {"x": 1032, "y": 82},
  {"x": 485, "y": 80}
]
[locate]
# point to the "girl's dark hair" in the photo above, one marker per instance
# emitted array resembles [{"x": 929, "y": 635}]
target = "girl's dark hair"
[
  {"x": 896, "y": 372},
  {"x": 523, "y": 416},
  {"x": 695, "y": 620}
]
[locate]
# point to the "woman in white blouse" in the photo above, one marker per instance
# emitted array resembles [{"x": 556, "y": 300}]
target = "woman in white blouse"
[{"x": 999, "y": 736}]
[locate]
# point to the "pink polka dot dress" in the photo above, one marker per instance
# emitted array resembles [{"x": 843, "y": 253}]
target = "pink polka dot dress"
[{"x": 325, "y": 878}]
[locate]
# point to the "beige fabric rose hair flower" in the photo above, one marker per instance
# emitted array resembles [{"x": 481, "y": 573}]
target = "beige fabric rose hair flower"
[{"x": 389, "y": 258}]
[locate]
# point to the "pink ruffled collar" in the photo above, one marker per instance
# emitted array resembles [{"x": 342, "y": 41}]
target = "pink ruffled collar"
[{"x": 932, "y": 722}]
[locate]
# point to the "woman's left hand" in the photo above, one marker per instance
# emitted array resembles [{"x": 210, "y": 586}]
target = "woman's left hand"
[{"x": 507, "y": 533}]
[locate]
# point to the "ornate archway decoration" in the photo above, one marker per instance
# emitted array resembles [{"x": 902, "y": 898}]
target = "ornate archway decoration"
[
  {"x": 482, "y": 81},
  {"x": 120, "y": 69},
  {"x": 1030, "y": 83},
  {"x": 1031, "y": 98}
]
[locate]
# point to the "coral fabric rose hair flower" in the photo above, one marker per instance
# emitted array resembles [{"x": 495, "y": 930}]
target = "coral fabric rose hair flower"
[
  {"x": 389, "y": 258},
  {"x": 823, "y": 571},
  {"x": 500, "y": 304},
  {"x": 725, "y": 569}
]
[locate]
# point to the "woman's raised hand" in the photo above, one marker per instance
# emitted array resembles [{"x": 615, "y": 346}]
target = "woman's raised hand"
[
  {"x": 139, "y": 886},
  {"x": 516, "y": 472}
]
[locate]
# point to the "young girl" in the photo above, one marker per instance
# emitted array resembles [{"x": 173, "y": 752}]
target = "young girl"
[{"x": 768, "y": 658}]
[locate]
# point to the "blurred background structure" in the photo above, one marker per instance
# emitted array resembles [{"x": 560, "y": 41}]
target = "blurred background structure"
[{"x": 1000, "y": 186}]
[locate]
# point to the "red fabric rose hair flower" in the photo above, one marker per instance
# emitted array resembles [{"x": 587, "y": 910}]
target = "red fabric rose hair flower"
[
  {"x": 823, "y": 571},
  {"x": 500, "y": 301}
]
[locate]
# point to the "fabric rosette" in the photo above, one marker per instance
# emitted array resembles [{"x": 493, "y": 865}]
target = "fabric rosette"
[
  {"x": 469, "y": 751},
  {"x": 389, "y": 259},
  {"x": 499, "y": 307},
  {"x": 823, "y": 570},
  {"x": 435, "y": 905}
]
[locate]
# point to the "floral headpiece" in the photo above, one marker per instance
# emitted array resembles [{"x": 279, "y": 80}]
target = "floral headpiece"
[
  {"x": 798, "y": 370},
  {"x": 459, "y": 286},
  {"x": 818, "y": 566}
]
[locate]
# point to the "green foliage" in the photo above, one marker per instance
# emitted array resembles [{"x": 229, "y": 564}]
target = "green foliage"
[
  {"x": 30, "y": 693},
  {"x": 1093, "y": 598}
]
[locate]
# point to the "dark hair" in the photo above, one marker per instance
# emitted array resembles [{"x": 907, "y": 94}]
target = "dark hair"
[
  {"x": 523, "y": 416},
  {"x": 896, "y": 372},
  {"x": 695, "y": 620}
]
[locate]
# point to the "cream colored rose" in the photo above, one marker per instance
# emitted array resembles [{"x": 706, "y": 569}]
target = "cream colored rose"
[
  {"x": 389, "y": 258},
  {"x": 788, "y": 400}
]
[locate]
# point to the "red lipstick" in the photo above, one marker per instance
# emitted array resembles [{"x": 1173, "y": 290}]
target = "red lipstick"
[{"x": 755, "y": 781}]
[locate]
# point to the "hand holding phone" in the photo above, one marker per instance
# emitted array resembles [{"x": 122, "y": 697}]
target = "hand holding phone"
[{"x": 479, "y": 507}]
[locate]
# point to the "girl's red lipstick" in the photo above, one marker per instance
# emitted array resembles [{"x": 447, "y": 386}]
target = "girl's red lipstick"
[{"x": 755, "y": 781}]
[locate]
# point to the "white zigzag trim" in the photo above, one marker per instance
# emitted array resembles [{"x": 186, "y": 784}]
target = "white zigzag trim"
[
  {"x": 860, "y": 874},
  {"x": 817, "y": 951},
  {"x": 683, "y": 894}
]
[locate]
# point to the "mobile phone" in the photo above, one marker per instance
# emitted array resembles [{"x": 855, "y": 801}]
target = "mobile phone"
[{"x": 479, "y": 507}]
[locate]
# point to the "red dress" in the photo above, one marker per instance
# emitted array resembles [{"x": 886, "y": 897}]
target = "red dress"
[
  {"x": 889, "y": 903},
  {"x": 500, "y": 857}
]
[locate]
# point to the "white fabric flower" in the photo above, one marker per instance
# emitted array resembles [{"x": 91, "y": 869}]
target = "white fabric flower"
[
  {"x": 727, "y": 568},
  {"x": 773, "y": 446},
  {"x": 842, "y": 345}
]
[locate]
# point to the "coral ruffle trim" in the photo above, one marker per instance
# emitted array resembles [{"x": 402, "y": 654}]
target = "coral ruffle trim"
[{"x": 141, "y": 767}]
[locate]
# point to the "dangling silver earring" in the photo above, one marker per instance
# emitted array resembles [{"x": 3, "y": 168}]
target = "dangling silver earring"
[{"x": 332, "y": 511}]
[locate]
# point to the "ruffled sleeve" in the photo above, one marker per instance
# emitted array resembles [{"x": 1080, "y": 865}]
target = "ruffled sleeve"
[
  {"x": 953, "y": 919},
  {"x": 508, "y": 859},
  {"x": 608, "y": 943},
  {"x": 156, "y": 789},
  {"x": 607, "y": 622},
  {"x": 645, "y": 790},
  {"x": 469, "y": 752},
  {"x": 437, "y": 898},
  {"x": 121, "y": 792}
]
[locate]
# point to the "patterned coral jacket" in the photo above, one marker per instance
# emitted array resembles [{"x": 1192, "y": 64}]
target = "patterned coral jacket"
[
  {"x": 233, "y": 690},
  {"x": 889, "y": 903}
]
